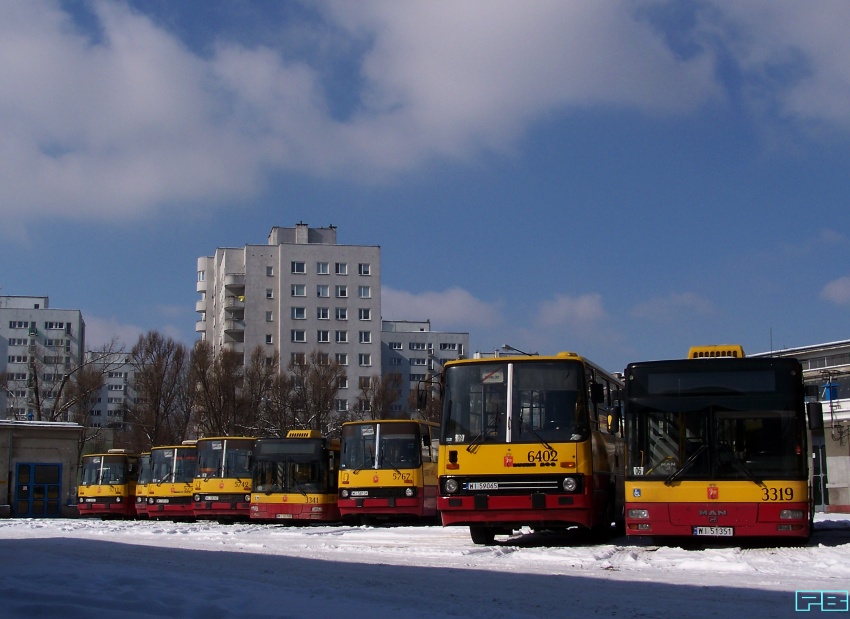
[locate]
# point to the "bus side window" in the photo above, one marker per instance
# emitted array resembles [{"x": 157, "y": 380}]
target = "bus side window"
[{"x": 425, "y": 433}]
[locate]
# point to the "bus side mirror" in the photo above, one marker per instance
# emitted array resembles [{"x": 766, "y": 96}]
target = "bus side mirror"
[
  {"x": 814, "y": 411},
  {"x": 597, "y": 393},
  {"x": 614, "y": 420},
  {"x": 421, "y": 399}
]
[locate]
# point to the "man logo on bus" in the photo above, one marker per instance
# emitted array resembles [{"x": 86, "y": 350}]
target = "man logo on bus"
[
  {"x": 712, "y": 492},
  {"x": 509, "y": 459}
]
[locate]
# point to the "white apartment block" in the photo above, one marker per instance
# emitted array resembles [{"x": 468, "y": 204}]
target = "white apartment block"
[
  {"x": 299, "y": 293},
  {"x": 110, "y": 404},
  {"x": 38, "y": 347},
  {"x": 411, "y": 349}
]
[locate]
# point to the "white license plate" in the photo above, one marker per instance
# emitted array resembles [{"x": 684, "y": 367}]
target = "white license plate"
[
  {"x": 283, "y": 515},
  {"x": 359, "y": 493},
  {"x": 715, "y": 531},
  {"x": 211, "y": 498},
  {"x": 482, "y": 485},
  {"x": 91, "y": 500},
  {"x": 162, "y": 500}
]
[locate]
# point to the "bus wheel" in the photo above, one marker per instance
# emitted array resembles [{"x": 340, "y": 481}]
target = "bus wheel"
[{"x": 482, "y": 535}]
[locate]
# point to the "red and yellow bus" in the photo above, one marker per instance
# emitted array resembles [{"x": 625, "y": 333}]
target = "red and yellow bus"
[
  {"x": 108, "y": 484},
  {"x": 295, "y": 478},
  {"x": 530, "y": 441},
  {"x": 717, "y": 447},
  {"x": 141, "y": 498},
  {"x": 388, "y": 470},
  {"x": 222, "y": 486},
  {"x": 173, "y": 470}
]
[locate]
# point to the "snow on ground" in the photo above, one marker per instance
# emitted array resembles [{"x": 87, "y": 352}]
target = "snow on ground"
[{"x": 92, "y": 568}]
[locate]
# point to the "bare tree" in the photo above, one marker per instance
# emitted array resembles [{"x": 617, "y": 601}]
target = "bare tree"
[
  {"x": 160, "y": 414},
  {"x": 220, "y": 400},
  {"x": 317, "y": 382},
  {"x": 377, "y": 395}
]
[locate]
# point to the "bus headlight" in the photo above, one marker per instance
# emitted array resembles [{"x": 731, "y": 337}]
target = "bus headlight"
[
  {"x": 451, "y": 486},
  {"x": 641, "y": 514},
  {"x": 409, "y": 492},
  {"x": 118, "y": 499},
  {"x": 196, "y": 498},
  {"x": 344, "y": 493},
  {"x": 791, "y": 514},
  {"x": 81, "y": 500},
  {"x": 247, "y": 498},
  {"x": 569, "y": 484}
]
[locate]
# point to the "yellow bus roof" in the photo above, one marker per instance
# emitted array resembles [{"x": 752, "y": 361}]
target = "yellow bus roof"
[{"x": 735, "y": 351}]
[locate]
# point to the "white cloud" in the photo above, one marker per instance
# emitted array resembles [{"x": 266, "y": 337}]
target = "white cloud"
[
  {"x": 793, "y": 55},
  {"x": 572, "y": 311},
  {"x": 102, "y": 331},
  {"x": 673, "y": 306},
  {"x": 135, "y": 121},
  {"x": 453, "y": 308},
  {"x": 837, "y": 291}
]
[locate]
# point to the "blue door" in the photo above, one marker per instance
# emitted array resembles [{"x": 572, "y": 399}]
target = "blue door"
[{"x": 38, "y": 490}]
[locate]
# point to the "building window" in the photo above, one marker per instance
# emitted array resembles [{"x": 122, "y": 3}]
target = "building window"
[
  {"x": 342, "y": 313},
  {"x": 395, "y": 360},
  {"x": 365, "y": 313},
  {"x": 298, "y": 313},
  {"x": 298, "y": 335},
  {"x": 323, "y": 336},
  {"x": 364, "y": 292},
  {"x": 341, "y": 405},
  {"x": 322, "y": 313},
  {"x": 323, "y": 358},
  {"x": 416, "y": 377},
  {"x": 269, "y": 316},
  {"x": 323, "y": 291},
  {"x": 322, "y": 268},
  {"x": 364, "y": 359},
  {"x": 364, "y": 269},
  {"x": 363, "y": 382},
  {"x": 298, "y": 290},
  {"x": 418, "y": 346},
  {"x": 418, "y": 361},
  {"x": 342, "y": 337},
  {"x": 341, "y": 268},
  {"x": 18, "y": 324},
  {"x": 342, "y": 358},
  {"x": 298, "y": 358},
  {"x": 54, "y": 325},
  {"x": 448, "y": 346},
  {"x": 365, "y": 337},
  {"x": 395, "y": 345},
  {"x": 298, "y": 267},
  {"x": 269, "y": 293},
  {"x": 269, "y": 338},
  {"x": 202, "y": 276},
  {"x": 270, "y": 271},
  {"x": 341, "y": 292}
]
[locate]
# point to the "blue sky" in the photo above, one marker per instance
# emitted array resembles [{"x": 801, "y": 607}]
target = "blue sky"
[{"x": 618, "y": 179}]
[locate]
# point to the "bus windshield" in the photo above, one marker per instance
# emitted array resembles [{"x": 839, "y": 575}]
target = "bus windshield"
[
  {"x": 225, "y": 458},
  {"x": 176, "y": 465},
  {"x": 515, "y": 402},
  {"x": 105, "y": 470},
  {"x": 737, "y": 423},
  {"x": 291, "y": 465},
  {"x": 380, "y": 445}
]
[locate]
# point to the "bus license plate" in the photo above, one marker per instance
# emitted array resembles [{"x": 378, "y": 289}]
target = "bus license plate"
[
  {"x": 715, "y": 531},
  {"x": 91, "y": 500},
  {"x": 283, "y": 516},
  {"x": 482, "y": 485}
]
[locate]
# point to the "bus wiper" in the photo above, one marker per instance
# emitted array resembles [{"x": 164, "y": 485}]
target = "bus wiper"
[
  {"x": 493, "y": 426},
  {"x": 741, "y": 467},
  {"x": 539, "y": 438},
  {"x": 384, "y": 460},
  {"x": 686, "y": 465},
  {"x": 363, "y": 465}
]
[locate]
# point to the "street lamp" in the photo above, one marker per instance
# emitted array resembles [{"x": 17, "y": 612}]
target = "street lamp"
[{"x": 510, "y": 348}]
